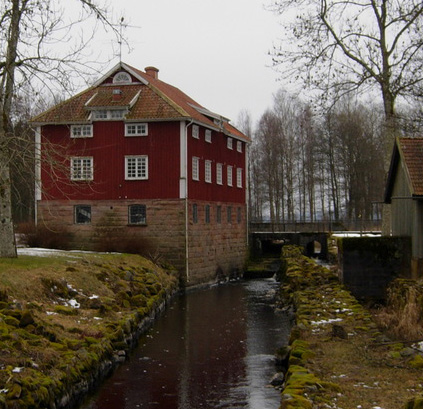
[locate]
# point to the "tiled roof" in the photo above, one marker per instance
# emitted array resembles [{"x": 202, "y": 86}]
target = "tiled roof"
[
  {"x": 411, "y": 151},
  {"x": 157, "y": 101}
]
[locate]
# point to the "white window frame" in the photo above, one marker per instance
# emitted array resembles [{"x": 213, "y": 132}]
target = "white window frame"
[
  {"x": 108, "y": 114},
  {"x": 239, "y": 177},
  {"x": 219, "y": 173},
  {"x": 195, "y": 168},
  {"x": 196, "y": 131},
  {"x": 117, "y": 113},
  {"x": 82, "y": 168},
  {"x": 229, "y": 175},
  {"x": 208, "y": 171},
  {"x": 230, "y": 143},
  {"x": 140, "y": 171},
  {"x": 136, "y": 129},
  {"x": 100, "y": 114},
  {"x": 82, "y": 131},
  {"x": 208, "y": 136},
  {"x": 239, "y": 146}
]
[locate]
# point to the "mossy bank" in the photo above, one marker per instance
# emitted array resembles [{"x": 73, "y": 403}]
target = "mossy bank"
[
  {"x": 67, "y": 320},
  {"x": 337, "y": 356}
]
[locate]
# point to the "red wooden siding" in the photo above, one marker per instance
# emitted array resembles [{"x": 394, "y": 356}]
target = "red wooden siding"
[
  {"x": 108, "y": 148},
  {"x": 217, "y": 152}
]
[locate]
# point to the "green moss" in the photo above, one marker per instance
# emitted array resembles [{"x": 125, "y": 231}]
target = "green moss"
[
  {"x": 416, "y": 362},
  {"x": 64, "y": 310}
]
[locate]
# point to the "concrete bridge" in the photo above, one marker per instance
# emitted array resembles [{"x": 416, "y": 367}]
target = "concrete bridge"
[{"x": 268, "y": 238}]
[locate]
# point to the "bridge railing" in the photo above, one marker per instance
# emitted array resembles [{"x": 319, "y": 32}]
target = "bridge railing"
[{"x": 316, "y": 226}]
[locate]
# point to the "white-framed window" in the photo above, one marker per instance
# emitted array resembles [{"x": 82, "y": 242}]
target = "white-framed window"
[
  {"x": 117, "y": 113},
  {"x": 122, "y": 77},
  {"x": 239, "y": 146},
  {"x": 208, "y": 171},
  {"x": 82, "y": 131},
  {"x": 82, "y": 168},
  {"x": 230, "y": 142},
  {"x": 219, "y": 173},
  {"x": 138, "y": 129},
  {"x": 100, "y": 114},
  {"x": 239, "y": 177},
  {"x": 111, "y": 114},
  {"x": 229, "y": 179},
  {"x": 195, "y": 168},
  {"x": 208, "y": 136},
  {"x": 137, "y": 214},
  {"x": 196, "y": 131},
  {"x": 136, "y": 167},
  {"x": 82, "y": 214}
]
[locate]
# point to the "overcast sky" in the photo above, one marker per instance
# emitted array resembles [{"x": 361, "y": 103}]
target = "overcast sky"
[{"x": 216, "y": 51}]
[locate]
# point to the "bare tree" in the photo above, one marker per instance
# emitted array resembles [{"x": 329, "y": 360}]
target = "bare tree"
[
  {"x": 28, "y": 28},
  {"x": 340, "y": 46}
]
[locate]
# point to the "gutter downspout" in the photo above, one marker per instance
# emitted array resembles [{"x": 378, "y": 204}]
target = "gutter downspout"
[
  {"x": 37, "y": 169},
  {"x": 184, "y": 187}
]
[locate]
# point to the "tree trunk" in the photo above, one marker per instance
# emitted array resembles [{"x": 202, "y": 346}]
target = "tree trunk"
[{"x": 7, "y": 235}]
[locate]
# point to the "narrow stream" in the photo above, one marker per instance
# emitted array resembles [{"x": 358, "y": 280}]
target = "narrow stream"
[{"x": 211, "y": 349}]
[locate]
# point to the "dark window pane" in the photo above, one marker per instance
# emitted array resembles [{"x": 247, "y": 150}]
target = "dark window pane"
[
  {"x": 137, "y": 214},
  {"x": 82, "y": 214}
]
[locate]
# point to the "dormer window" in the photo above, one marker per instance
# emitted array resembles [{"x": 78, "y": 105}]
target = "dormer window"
[
  {"x": 101, "y": 114},
  {"x": 122, "y": 77},
  {"x": 111, "y": 114}
]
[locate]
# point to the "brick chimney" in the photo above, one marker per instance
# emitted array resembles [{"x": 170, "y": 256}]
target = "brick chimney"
[
  {"x": 117, "y": 94},
  {"x": 152, "y": 72}
]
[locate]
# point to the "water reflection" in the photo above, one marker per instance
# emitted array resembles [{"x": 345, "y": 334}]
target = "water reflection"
[{"x": 211, "y": 349}]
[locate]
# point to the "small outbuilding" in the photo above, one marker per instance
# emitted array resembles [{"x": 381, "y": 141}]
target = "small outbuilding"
[{"x": 404, "y": 191}]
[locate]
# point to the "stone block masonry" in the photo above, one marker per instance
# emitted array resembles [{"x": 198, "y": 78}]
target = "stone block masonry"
[{"x": 217, "y": 246}]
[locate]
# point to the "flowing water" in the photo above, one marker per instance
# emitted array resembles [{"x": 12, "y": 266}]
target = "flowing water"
[{"x": 211, "y": 349}]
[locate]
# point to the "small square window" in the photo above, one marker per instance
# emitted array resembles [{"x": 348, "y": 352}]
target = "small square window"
[
  {"x": 208, "y": 136},
  {"x": 82, "y": 214},
  {"x": 137, "y": 214},
  {"x": 230, "y": 143},
  {"x": 238, "y": 215},
  {"x": 239, "y": 146},
  {"x": 196, "y": 131}
]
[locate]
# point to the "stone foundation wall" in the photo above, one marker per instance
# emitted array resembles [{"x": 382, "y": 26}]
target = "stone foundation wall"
[
  {"x": 215, "y": 249},
  {"x": 164, "y": 232}
]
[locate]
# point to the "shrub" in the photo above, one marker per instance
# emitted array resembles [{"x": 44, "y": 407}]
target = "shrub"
[{"x": 41, "y": 236}]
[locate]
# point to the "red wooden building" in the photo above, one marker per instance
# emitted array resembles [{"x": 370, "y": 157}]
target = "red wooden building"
[{"x": 133, "y": 160}]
